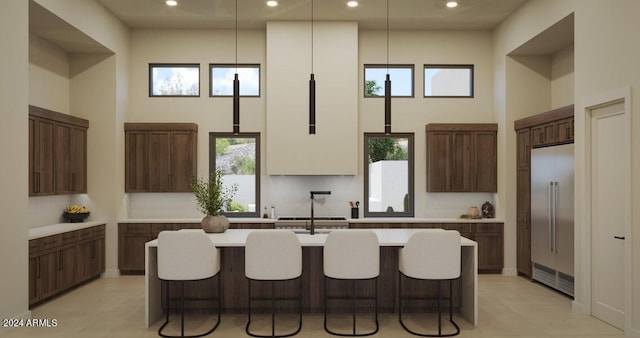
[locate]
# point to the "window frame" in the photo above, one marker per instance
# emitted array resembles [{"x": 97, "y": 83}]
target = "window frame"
[
  {"x": 233, "y": 65},
  {"x": 471, "y": 67},
  {"x": 212, "y": 166},
  {"x": 411, "y": 179},
  {"x": 385, "y": 66},
  {"x": 172, "y": 65}
]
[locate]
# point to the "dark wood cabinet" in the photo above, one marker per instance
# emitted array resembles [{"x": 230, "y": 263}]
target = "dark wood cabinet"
[
  {"x": 60, "y": 262},
  {"x": 57, "y": 153},
  {"x": 490, "y": 238},
  {"x": 133, "y": 236},
  {"x": 462, "y": 157},
  {"x": 160, "y": 157},
  {"x": 541, "y": 130}
]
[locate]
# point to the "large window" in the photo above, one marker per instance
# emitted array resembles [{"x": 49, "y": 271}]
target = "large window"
[
  {"x": 448, "y": 80},
  {"x": 238, "y": 156},
  {"x": 388, "y": 175},
  {"x": 401, "y": 77},
  {"x": 174, "y": 80},
  {"x": 221, "y": 79}
]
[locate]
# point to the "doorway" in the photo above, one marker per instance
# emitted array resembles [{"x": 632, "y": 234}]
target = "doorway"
[{"x": 610, "y": 213}]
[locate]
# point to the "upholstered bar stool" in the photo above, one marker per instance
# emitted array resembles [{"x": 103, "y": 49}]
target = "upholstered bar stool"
[
  {"x": 186, "y": 255},
  {"x": 431, "y": 255},
  {"x": 351, "y": 255},
  {"x": 273, "y": 256}
]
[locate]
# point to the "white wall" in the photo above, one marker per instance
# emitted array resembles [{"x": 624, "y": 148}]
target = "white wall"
[
  {"x": 289, "y": 193},
  {"x": 48, "y": 75},
  {"x": 14, "y": 88},
  {"x": 604, "y": 61}
]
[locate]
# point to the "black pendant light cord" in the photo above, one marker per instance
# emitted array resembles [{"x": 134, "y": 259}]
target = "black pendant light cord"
[
  {"x": 387, "y": 86},
  {"x": 236, "y": 84},
  {"x": 312, "y": 87}
]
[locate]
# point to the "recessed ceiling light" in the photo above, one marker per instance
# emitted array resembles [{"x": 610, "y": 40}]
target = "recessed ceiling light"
[
  {"x": 452, "y": 4},
  {"x": 352, "y": 3},
  {"x": 171, "y": 3},
  {"x": 272, "y": 3}
]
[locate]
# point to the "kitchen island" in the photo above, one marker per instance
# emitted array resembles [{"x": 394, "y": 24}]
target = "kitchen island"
[{"x": 232, "y": 244}]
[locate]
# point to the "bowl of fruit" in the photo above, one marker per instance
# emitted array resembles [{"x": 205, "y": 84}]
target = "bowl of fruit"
[{"x": 76, "y": 214}]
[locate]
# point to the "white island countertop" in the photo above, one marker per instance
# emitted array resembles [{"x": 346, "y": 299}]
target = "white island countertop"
[{"x": 350, "y": 220}]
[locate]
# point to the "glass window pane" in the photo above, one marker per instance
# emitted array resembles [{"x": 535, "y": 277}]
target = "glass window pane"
[
  {"x": 236, "y": 157},
  {"x": 456, "y": 81},
  {"x": 401, "y": 80},
  {"x": 174, "y": 80},
  {"x": 389, "y": 175},
  {"x": 222, "y": 80}
]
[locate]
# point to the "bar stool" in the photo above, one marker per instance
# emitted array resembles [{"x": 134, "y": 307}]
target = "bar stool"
[
  {"x": 431, "y": 255},
  {"x": 186, "y": 255},
  {"x": 273, "y": 256},
  {"x": 351, "y": 255}
]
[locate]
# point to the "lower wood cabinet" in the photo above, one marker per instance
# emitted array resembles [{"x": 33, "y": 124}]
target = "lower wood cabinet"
[
  {"x": 63, "y": 261},
  {"x": 489, "y": 236},
  {"x": 133, "y": 236}
]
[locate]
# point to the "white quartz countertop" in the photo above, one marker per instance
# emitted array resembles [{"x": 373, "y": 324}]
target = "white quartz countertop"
[
  {"x": 195, "y": 220},
  {"x": 54, "y": 229}
]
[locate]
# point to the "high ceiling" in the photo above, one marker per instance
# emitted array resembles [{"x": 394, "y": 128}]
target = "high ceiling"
[{"x": 370, "y": 14}]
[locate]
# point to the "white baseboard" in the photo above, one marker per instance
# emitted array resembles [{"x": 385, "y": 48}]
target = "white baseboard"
[
  {"x": 510, "y": 272},
  {"x": 22, "y": 316},
  {"x": 111, "y": 273},
  {"x": 578, "y": 307}
]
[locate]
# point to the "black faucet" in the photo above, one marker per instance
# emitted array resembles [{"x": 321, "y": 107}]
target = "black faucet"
[{"x": 312, "y": 229}]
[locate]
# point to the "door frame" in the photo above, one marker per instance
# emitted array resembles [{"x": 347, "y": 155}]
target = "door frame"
[{"x": 583, "y": 245}]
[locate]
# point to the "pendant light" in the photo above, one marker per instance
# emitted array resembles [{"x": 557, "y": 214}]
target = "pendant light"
[
  {"x": 387, "y": 86},
  {"x": 236, "y": 85},
  {"x": 312, "y": 87}
]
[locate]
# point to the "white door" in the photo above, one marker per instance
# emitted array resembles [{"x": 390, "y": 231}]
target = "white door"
[{"x": 610, "y": 209}]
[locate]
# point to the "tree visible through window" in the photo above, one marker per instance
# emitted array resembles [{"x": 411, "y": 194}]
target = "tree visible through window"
[
  {"x": 174, "y": 80},
  {"x": 401, "y": 77},
  {"x": 237, "y": 157},
  {"x": 389, "y": 174}
]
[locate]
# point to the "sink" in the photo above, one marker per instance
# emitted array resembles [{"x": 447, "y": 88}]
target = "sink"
[{"x": 317, "y": 231}]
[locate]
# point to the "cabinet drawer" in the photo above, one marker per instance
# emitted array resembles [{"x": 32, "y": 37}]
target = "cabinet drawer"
[
  {"x": 460, "y": 227},
  {"x": 34, "y": 246},
  {"x": 68, "y": 237},
  {"x": 488, "y": 227},
  {"x": 99, "y": 231},
  {"x": 86, "y": 233},
  {"x": 157, "y": 228},
  {"x": 137, "y": 228},
  {"x": 47, "y": 243}
]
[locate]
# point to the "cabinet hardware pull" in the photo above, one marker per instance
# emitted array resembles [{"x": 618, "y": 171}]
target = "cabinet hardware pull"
[
  {"x": 37, "y": 267},
  {"x": 619, "y": 237}
]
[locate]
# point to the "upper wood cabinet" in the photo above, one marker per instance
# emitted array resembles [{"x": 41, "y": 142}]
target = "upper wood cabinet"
[
  {"x": 549, "y": 128},
  {"x": 57, "y": 153},
  {"x": 462, "y": 157},
  {"x": 160, "y": 157}
]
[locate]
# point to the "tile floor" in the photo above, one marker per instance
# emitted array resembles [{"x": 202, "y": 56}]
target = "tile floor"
[{"x": 508, "y": 307}]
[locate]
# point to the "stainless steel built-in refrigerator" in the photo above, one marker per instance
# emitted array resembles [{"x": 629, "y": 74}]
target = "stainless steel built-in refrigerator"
[{"x": 552, "y": 216}]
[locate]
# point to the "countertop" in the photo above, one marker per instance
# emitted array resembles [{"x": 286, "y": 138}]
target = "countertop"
[
  {"x": 54, "y": 229},
  {"x": 350, "y": 220}
]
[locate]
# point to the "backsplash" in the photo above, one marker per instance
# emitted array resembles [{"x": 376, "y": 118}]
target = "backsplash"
[{"x": 290, "y": 197}]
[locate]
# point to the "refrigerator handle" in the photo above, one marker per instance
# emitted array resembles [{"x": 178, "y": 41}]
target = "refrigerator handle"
[
  {"x": 551, "y": 216},
  {"x": 556, "y": 191}
]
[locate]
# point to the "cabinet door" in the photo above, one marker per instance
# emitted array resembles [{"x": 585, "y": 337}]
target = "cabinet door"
[
  {"x": 523, "y": 148},
  {"x": 463, "y": 162},
  {"x": 490, "y": 246},
  {"x": 523, "y": 221},
  {"x": 47, "y": 283},
  {"x": 544, "y": 134},
  {"x": 159, "y": 157},
  {"x": 183, "y": 157},
  {"x": 34, "y": 276},
  {"x": 89, "y": 259},
  {"x": 66, "y": 267},
  {"x": 78, "y": 160},
  {"x": 136, "y": 161},
  {"x": 62, "y": 158},
  {"x": 564, "y": 130},
  {"x": 43, "y": 157},
  {"x": 439, "y": 161},
  {"x": 131, "y": 241},
  {"x": 486, "y": 154}
]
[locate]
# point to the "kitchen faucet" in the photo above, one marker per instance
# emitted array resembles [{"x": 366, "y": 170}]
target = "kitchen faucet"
[{"x": 313, "y": 193}]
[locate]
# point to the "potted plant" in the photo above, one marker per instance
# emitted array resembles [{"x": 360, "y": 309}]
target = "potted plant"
[{"x": 212, "y": 198}]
